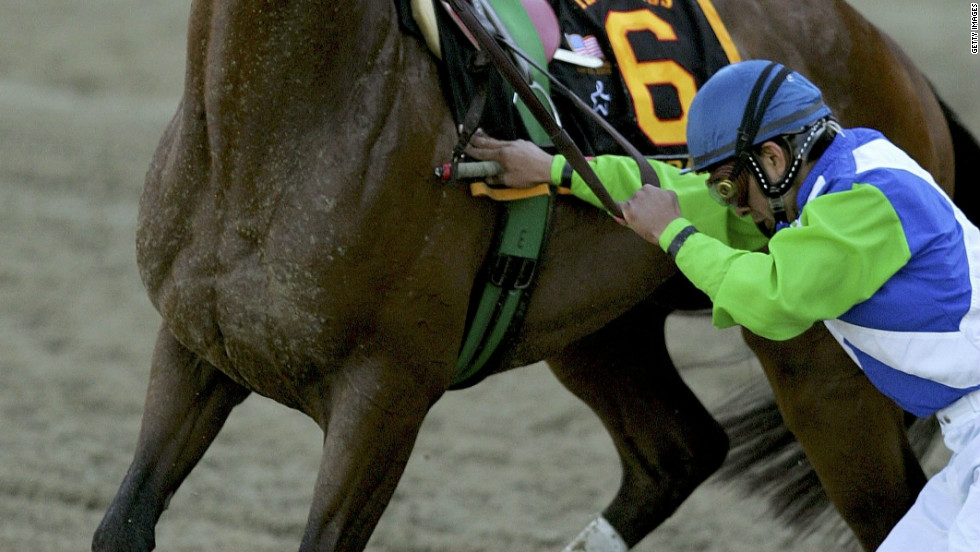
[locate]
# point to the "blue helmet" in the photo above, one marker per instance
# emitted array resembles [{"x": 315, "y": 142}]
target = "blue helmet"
[{"x": 721, "y": 110}]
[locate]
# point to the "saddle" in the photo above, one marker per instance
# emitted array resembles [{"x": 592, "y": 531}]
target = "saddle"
[
  {"x": 652, "y": 57},
  {"x": 588, "y": 69}
]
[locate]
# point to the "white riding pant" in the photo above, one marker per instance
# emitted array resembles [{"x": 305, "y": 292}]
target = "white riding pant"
[{"x": 946, "y": 515}]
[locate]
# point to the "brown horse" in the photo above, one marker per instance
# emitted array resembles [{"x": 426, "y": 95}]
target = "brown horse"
[{"x": 295, "y": 246}]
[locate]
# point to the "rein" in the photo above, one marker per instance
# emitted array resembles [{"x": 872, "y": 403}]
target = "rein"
[{"x": 559, "y": 137}]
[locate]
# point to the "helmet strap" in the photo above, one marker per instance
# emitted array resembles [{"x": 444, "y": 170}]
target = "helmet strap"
[
  {"x": 776, "y": 201},
  {"x": 755, "y": 110},
  {"x": 778, "y": 206},
  {"x": 799, "y": 147}
]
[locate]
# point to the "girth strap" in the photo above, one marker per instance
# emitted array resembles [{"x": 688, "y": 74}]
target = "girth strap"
[
  {"x": 521, "y": 233},
  {"x": 511, "y": 273}
]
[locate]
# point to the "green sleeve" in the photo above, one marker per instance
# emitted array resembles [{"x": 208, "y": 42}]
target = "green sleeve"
[
  {"x": 620, "y": 176},
  {"x": 844, "y": 248}
]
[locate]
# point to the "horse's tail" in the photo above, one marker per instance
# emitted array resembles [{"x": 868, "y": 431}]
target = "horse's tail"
[
  {"x": 966, "y": 150},
  {"x": 768, "y": 461}
]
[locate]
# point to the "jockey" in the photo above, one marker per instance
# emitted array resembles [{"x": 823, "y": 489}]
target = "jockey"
[
  {"x": 860, "y": 238},
  {"x": 875, "y": 250}
]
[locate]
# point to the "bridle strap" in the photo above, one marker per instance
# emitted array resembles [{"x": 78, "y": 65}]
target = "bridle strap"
[{"x": 559, "y": 137}]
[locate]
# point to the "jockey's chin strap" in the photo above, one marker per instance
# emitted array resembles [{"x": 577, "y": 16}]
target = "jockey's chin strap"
[
  {"x": 799, "y": 147},
  {"x": 558, "y": 136}
]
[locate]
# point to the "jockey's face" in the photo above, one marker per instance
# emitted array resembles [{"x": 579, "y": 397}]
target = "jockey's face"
[
  {"x": 757, "y": 206},
  {"x": 747, "y": 198}
]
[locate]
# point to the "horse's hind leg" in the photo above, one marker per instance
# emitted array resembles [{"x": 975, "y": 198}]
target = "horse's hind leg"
[
  {"x": 852, "y": 434},
  {"x": 375, "y": 409},
  {"x": 187, "y": 402},
  {"x": 667, "y": 441}
]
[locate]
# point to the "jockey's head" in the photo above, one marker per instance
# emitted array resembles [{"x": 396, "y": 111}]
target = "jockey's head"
[{"x": 743, "y": 106}]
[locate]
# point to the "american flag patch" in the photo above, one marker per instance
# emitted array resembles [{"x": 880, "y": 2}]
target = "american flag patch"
[{"x": 585, "y": 45}]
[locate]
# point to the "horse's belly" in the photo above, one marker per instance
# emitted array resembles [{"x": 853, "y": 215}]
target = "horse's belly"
[{"x": 267, "y": 327}]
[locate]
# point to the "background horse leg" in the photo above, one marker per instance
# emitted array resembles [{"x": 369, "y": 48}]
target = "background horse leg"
[
  {"x": 373, "y": 417},
  {"x": 187, "y": 402},
  {"x": 667, "y": 442},
  {"x": 853, "y": 435}
]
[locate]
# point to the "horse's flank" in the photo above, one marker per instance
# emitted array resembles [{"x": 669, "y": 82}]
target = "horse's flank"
[{"x": 284, "y": 219}]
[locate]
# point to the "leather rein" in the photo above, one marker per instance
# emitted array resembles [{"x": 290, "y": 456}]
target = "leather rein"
[{"x": 491, "y": 45}]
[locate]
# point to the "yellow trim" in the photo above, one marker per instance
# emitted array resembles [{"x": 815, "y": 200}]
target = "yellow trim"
[
  {"x": 720, "y": 31},
  {"x": 480, "y": 189}
]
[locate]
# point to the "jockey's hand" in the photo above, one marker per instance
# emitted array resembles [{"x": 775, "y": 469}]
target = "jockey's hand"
[
  {"x": 650, "y": 210},
  {"x": 524, "y": 163}
]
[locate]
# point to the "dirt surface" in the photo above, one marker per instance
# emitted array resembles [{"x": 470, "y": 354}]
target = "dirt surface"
[{"x": 515, "y": 463}]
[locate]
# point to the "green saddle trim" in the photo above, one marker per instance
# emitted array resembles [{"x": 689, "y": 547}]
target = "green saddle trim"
[
  {"x": 525, "y": 35},
  {"x": 524, "y": 228}
]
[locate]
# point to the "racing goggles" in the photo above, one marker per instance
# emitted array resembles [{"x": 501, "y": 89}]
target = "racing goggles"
[{"x": 725, "y": 187}]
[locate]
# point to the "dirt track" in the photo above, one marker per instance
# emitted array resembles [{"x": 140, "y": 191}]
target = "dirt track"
[{"x": 515, "y": 463}]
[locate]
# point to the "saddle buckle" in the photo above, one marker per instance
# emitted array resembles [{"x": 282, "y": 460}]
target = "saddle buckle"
[{"x": 511, "y": 272}]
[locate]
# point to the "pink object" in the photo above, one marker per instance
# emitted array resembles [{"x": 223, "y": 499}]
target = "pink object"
[{"x": 546, "y": 22}]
